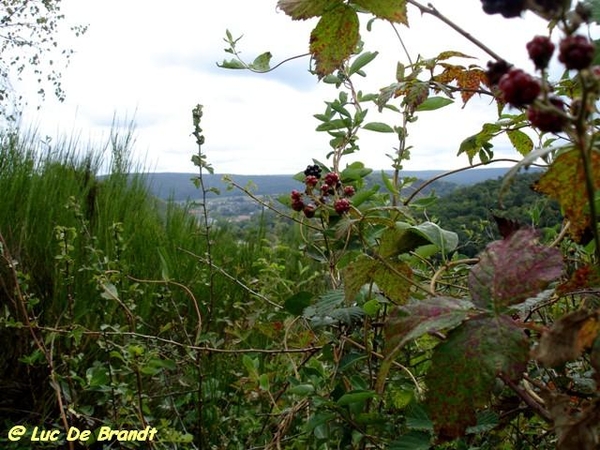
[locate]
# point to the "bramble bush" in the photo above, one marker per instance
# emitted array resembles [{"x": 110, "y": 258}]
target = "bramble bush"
[{"x": 357, "y": 323}]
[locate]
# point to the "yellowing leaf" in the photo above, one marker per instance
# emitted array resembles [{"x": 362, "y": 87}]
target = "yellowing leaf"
[
  {"x": 392, "y": 10},
  {"x": 522, "y": 143},
  {"x": 565, "y": 182},
  {"x": 334, "y": 39},
  {"x": 470, "y": 80},
  {"x": 304, "y": 9}
]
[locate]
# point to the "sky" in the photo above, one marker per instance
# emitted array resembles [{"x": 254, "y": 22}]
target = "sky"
[{"x": 151, "y": 61}]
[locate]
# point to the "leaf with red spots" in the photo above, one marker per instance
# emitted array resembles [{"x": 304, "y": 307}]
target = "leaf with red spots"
[
  {"x": 334, "y": 39},
  {"x": 463, "y": 369},
  {"x": 512, "y": 270},
  {"x": 565, "y": 182},
  {"x": 305, "y": 9},
  {"x": 392, "y": 10}
]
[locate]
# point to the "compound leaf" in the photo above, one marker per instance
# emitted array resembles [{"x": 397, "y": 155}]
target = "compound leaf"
[{"x": 511, "y": 270}]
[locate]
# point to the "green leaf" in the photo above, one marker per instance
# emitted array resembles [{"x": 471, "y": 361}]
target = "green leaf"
[
  {"x": 361, "y": 61},
  {"x": 357, "y": 396},
  {"x": 522, "y": 143},
  {"x": 354, "y": 172},
  {"x": 433, "y": 103},
  {"x": 511, "y": 270},
  {"x": 445, "y": 240},
  {"x": 296, "y": 304},
  {"x": 262, "y": 62},
  {"x": 232, "y": 64},
  {"x": 392, "y": 10},
  {"x": 380, "y": 127},
  {"x": 413, "y": 440},
  {"x": 305, "y": 9},
  {"x": 302, "y": 389},
  {"x": 464, "y": 367},
  {"x": 334, "y": 38},
  {"x": 393, "y": 285}
]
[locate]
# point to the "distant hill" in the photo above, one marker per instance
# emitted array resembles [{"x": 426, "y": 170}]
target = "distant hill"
[{"x": 179, "y": 186}]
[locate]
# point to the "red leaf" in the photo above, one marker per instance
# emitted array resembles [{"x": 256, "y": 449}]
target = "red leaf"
[{"x": 512, "y": 270}]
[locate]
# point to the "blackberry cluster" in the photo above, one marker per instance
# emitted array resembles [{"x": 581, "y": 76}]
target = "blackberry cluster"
[
  {"x": 508, "y": 8},
  {"x": 311, "y": 198}
]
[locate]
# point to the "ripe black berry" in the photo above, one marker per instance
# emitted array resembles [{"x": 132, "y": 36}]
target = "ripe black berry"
[
  {"x": 548, "y": 118},
  {"x": 508, "y": 8},
  {"x": 540, "y": 50},
  {"x": 576, "y": 52},
  {"x": 314, "y": 170},
  {"x": 519, "y": 88}
]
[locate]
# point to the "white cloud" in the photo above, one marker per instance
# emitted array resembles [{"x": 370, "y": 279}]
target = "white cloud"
[{"x": 153, "y": 61}]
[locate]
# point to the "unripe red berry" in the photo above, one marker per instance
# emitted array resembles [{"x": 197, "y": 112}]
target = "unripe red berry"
[
  {"x": 296, "y": 195},
  {"x": 540, "y": 50},
  {"x": 349, "y": 191},
  {"x": 546, "y": 118},
  {"x": 311, "y": 180},
  {"x": 297, "y": 204},
  {"x": 576, "y": 52},
  {"x": 519, "y": 88},
  {"x": 326, "y": 189},
  {"x": 495, "y": 70},
  {"x": 309, "y": 211},
  {"x": 341, "y": 205},
  {"x": 332, "y": 179}
]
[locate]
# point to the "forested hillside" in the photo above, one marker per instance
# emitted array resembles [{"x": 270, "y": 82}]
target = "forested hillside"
[{"x": 470, "y": 210}]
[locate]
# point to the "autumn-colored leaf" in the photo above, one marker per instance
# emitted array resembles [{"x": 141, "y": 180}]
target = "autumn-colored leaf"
[
  {"x": 334, "y": 39},
  {"x": 393, "y": 279},
  {"x": 357, "y": 274},
  {"x": 392, "y": 10},
  {"x": 416, "y": 94},
  {"x": 305, "y": 9},
  {"x": 565, "y": 182},
  {"x": 470, "y": 81},
  {"x": 511, "y": 270},
  {"x": 463, "y": 369},
  {"x": 412, "y": 321},
  {"x": 584, "y": 277},
  {"x": 567, "y": 338},
  {"x": 576, "y": 428},
  {"x": 451, "y": 72}
]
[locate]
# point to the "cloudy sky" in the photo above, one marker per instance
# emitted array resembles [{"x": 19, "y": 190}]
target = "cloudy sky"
[{"x": 152, "y": 61}]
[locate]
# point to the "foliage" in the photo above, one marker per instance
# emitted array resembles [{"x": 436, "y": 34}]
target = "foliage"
[
  {"x": 28, "y": 35},
  {"x": 356, "y": 321}
]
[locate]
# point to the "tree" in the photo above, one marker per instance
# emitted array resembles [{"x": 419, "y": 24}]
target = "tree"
[{"x": 29, "y": 31}]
